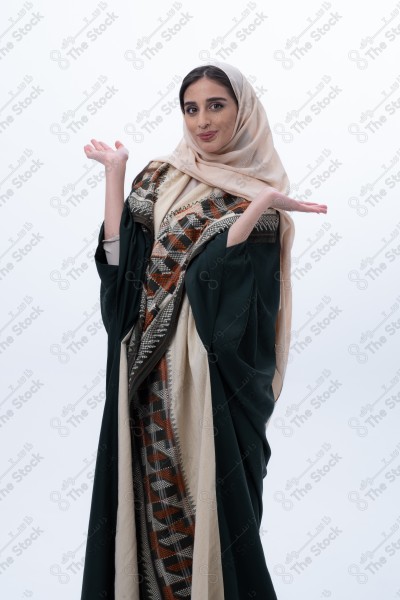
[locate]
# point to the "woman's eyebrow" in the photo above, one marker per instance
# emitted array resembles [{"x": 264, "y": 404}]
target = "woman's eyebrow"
[{"x": 207, "y": 100}]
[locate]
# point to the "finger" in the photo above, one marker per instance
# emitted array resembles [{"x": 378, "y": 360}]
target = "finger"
[
  {"x": 105, "y": 146},
  {"x": 91, "y": 155},
  {"x": 311, "y": 209},
  {"x": 315, "y": 206},
  {"x": 99, "y": 145},
  {"x": 119, "y": 145},
  {"x": 312, "y": 204},
  {"x": 89, "y": 150},
  {"x": 96, "y": 144}
]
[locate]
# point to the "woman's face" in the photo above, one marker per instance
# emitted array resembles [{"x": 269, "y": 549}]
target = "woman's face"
[{"x": 209, "y": 109}]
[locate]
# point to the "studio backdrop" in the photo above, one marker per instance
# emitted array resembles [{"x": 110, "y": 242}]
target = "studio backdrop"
[{"x": 328, "y": 76}]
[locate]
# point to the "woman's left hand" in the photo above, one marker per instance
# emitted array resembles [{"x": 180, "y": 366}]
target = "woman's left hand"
[{"x": 275, "y": 199}]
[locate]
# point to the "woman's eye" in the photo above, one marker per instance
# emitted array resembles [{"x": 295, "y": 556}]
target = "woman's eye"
[{"x": 192, "y": 109}]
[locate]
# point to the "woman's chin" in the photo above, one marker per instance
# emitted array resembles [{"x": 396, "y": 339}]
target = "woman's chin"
[{"x": 209, "y": 147}]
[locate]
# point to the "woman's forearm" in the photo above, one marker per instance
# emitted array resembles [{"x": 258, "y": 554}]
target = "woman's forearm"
[
  {"x": 243, "y": 226},
  {"x": 114, "y": 203}
]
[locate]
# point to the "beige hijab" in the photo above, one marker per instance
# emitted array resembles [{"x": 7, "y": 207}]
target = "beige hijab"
[
  {"x": 250, "y": 154},
  {"x": 242, "y": 167}
]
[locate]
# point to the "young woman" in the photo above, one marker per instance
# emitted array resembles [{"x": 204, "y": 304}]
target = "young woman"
[{"x": 196, "y": 301}]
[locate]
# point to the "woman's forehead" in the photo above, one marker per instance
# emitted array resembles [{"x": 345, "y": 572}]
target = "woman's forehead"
[{"x": 204, "y": 85}]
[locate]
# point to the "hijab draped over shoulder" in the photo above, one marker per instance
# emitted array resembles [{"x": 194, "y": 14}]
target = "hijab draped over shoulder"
[{"x": 243, "y": 167}]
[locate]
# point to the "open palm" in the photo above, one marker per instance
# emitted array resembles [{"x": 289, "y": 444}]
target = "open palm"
[
  {"x": 279, "y": 200},
  {"x": 106, "y": 155}
]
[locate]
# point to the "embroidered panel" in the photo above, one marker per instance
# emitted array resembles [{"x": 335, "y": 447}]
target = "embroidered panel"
[{"x": 164, "y": 509}]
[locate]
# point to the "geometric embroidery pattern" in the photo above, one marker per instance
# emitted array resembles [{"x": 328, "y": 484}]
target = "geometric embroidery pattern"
[{"x": 164, "y": 511}]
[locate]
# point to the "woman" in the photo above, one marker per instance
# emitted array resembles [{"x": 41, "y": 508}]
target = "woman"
[{"x": 196, "y": 301}]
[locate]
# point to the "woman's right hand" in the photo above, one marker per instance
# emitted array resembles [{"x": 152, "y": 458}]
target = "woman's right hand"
[{"x": 105, "y": 155}]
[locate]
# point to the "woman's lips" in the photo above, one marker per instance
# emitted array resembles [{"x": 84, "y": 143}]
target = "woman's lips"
[{"x": 207, "y": 136}]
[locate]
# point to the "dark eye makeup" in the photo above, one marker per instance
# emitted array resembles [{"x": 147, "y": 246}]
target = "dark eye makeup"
[{"x": 188, "y": 108}]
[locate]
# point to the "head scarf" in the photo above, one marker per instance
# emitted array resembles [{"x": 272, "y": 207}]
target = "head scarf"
[{"x": 248, "y": 161}]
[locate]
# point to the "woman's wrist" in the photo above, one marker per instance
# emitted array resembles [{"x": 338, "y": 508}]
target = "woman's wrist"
[
  {"x": 115, "y": 168},
  {"x": 263, "y": 200}
]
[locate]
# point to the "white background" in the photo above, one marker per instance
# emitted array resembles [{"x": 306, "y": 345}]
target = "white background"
[{"x": 328, "y": 76}]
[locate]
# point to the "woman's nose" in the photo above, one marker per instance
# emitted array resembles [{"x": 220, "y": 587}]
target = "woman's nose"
[{"x": 203, "y": 119}]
